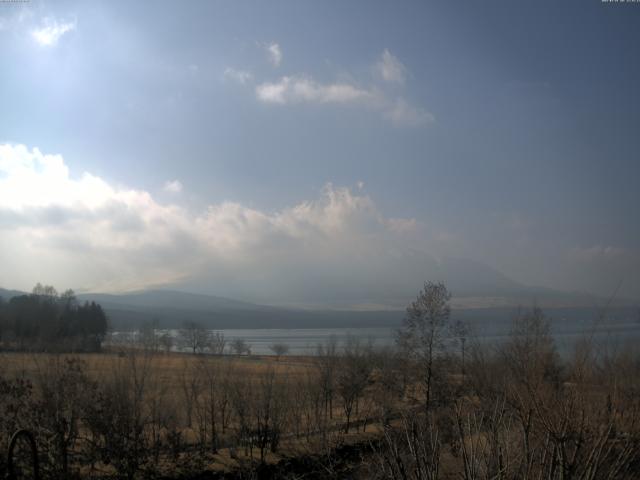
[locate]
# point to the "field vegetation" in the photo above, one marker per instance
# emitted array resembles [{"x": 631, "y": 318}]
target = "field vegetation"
[{"x": 438, "y": 405}]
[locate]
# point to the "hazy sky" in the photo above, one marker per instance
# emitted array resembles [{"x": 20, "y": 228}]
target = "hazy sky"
[{"x": 266, "y": 150}]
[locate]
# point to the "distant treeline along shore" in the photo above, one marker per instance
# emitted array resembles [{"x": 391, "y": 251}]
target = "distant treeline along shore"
[{"x": 46, "y": 320}]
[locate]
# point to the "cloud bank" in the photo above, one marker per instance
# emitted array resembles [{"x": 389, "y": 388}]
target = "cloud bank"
[
  {"x": 336, "y": 249},
  {"x": 83, "y": 232}
]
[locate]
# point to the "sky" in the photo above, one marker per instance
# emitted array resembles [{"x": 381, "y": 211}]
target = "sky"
[{"x": 308, "y": 152}]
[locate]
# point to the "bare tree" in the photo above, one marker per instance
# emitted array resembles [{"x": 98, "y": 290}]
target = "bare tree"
[
  {"x": 62, "y": 386},
  {"x": 148, "y": 336},
  {"x": 240, "y": 346},
  {"x": 352, "y": 378},
  {"x": 530, "y": 353},
  {"x": 194, "y": 336},
  {"x": 326, "y": 355},
  {"x": 389, "y": 387},
  {"x": 191, "y": 385},
  {"x": 423, "y": 332},
  {"x": 410, "y": 452},
  {"x": 213, "y": 399},
  {"x": 217, "y": 343},
  {"x": 166, "y": 342},
  {"x": 241, "y": 393},
  {"x": 279, "y": 349},
  {"x": 269, "y": 412},
  {"x": 533, "y": 419},
  {"x": 46, "y": 291},
  {"x": 461, "y": 333},
  {"x": 117, "y": 419}
]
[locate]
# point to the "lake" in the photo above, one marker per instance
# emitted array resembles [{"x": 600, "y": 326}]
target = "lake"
[{"x": 613, "y": 332}]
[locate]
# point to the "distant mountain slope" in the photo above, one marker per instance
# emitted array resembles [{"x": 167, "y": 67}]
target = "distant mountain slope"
[
  {"x": 171, "y": 308},
  {"x": 8, "y": 294},
  {"x": 381, "y": 302},
  {"x": 171, "y": 299}
]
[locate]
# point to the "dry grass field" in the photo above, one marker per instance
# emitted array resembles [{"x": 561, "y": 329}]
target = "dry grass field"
[
  {"x": 517, "y": 411},
  {"x": 168, "y": 368},
  {"x": 190, "y": 412}
]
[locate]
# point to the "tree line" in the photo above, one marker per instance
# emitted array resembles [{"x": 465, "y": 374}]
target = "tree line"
[
  {"x": 47, "y": 320},
  {"x": 192, "y": 337}
]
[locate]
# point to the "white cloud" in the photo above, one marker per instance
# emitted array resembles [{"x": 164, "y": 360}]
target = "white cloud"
[
  {"x": 304, "y": 89},
  {"x": 404, "y": 115},
  {"x": 239, "y": 76},
  {"x": 390, "y": 68},
  {"x": 173, "y": 186},
  {"x": 82, "y": 231},
  {"x": 274, "y": 54},
  {"x": 51, "y": 31}
]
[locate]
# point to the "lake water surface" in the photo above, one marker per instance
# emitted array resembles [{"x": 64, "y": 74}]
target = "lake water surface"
[{"x": 613, "y": 333}]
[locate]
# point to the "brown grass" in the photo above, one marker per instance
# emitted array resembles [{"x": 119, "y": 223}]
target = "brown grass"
[{"x": 168, "y": 367}]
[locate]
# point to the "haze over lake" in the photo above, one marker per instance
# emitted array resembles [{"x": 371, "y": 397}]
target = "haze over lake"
[{"x": 615, "y": 332}]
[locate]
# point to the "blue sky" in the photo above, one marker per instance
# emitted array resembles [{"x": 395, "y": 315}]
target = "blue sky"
[{"x": 212, "y": 145}]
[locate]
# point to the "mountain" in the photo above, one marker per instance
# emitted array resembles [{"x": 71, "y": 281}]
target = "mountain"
[
  {"x": 340, "y": 300},
  {"x": 170, "y": 309},
  {"x": 8, "y": 294},
  {"x": 470, "y": 278},
  {"x": 162, "y": 299}
]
